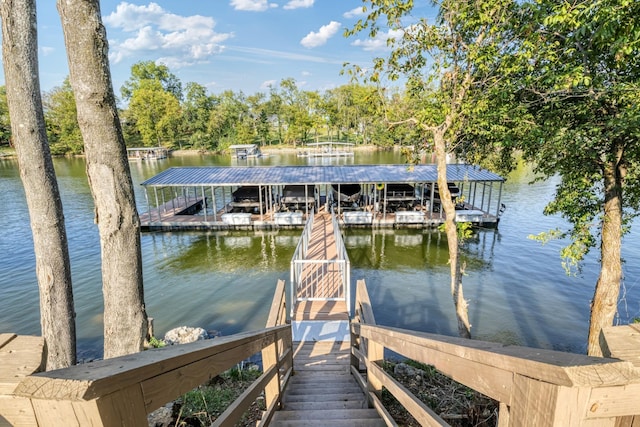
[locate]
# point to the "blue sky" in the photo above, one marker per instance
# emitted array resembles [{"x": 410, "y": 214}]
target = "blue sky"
[{"x": 241, "y": 45}]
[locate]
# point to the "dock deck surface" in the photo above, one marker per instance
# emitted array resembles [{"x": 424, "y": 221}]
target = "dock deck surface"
[{"x": 320, "y": 293}]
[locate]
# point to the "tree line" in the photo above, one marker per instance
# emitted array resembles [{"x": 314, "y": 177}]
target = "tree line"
[{"x": 159, "y": 110}]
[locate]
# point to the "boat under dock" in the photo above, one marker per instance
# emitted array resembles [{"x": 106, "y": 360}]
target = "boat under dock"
[{"x": 206, "y": 198}]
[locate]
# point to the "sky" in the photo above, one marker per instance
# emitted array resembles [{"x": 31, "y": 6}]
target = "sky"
[{"x": 239, "y": 45}]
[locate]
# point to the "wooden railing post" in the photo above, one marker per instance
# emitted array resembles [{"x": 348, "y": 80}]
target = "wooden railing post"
[
  {"x": 123, "y": 408},
  {"x": 271, "y": 354},
  {"x": 375, "y": 355},
  {"x": 544, "y": 404},
  {"x": 20, "y": 356},
  {"x": 270, "y": 359}
]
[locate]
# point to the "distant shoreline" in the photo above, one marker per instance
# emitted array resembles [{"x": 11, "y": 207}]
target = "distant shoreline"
[
  {"x": 269, "y": 149},
  {"x": 275, "y": 149}
]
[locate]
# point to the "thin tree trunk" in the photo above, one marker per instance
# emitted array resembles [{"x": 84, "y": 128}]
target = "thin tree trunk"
[
  {"x": 605, "y": 299},
  {"x": 20, "y": 59},
  {"x": 125, "y": 319},
  {"x": 460, "y": 304}
]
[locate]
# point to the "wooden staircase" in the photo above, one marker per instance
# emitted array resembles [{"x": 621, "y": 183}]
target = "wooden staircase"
[{"x": 322, "y": 392}]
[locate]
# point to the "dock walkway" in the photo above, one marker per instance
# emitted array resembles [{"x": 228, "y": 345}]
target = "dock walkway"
[
  {"x": 323, "y": 390},
  {"x": 320, "y": 283},
  {"x": 321, "y": 277}
]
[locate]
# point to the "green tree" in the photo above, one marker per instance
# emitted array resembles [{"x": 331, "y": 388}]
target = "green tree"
[
  {"x": 5, "y": 123},
  {"x": 62, "y": 122},
  {"x": 442, "y": 63},
  {"x": 582, "y": 88},
  {"x": 156, "y": 113},
  {"x": 296, "y": 117},
  {"x": 274, "y": 110},
  {"x": 196, "y": 110},
  {"x": 258, "y": 110},
  {"x": 229, "y": 111},
  {"x": 148, "y": 70}
]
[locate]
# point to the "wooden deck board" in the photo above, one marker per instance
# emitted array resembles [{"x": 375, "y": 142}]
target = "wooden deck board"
[
  {"x": 321, "y": 310},
  {"x": 321, "y": 279}
]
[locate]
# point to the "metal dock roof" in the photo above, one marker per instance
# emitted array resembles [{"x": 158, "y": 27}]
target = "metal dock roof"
[{"x": 276, "y": 175}]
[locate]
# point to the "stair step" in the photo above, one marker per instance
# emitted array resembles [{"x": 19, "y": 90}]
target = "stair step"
[
  {"x": 343, "y": 397},
  {"x": 315, "y": 405},
  {"x": 310, "y": 383},
  {"x": 342, "y": 359},
  {"x": 347, "y": 389},
  {"x": 328, "y": 415},
  {"x": 323, "y": 423},
  {"x": 310, "y": 373},
  {"x": 323, "y": 368}
]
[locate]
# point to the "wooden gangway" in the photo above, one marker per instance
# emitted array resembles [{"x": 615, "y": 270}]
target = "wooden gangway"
[
  {"x": 320, "y": 272},
  {"x": 322, "y": 390}
]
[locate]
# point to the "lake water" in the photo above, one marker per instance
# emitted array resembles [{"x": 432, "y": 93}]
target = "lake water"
[{"x": 223, "y": 281}]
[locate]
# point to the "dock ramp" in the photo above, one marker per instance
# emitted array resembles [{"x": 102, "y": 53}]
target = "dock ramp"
[{"x": 320, "y": 282}]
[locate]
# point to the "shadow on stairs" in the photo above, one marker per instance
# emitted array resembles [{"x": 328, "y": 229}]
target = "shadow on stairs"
[{"x": 322, "y": 392}]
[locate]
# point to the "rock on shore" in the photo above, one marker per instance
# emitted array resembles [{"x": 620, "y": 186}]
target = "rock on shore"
[{"x": 184, "y": 335}]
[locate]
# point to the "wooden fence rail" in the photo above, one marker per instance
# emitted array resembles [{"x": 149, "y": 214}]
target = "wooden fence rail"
[
  {"x": 123, "y": 390},
  {"x": 535, "y": 387}
]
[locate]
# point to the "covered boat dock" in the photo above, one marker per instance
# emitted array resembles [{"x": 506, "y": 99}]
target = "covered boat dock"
[
  {"x": 327, "y": 149},
  {"x": 224, "y": 197},
  {"x": 147, "y": 153}
]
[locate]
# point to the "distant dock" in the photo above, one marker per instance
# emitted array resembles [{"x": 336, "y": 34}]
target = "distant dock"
[{"x": 147, "y": 153}]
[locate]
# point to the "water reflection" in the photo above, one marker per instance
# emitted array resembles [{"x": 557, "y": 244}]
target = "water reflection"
[{"x": 225, "y": 251}]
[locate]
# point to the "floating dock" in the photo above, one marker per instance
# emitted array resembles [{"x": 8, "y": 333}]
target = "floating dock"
[
  {"x": 147, "y": 153},
  {"x": 209, "y": 198},
  {"x": 327, "y": 149}
]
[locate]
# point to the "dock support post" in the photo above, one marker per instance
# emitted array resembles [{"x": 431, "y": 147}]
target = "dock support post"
[
  {"x": 375, "y": 354},
  {"x": 213, "y": 203},
  {"x": 204, "y": 203}
]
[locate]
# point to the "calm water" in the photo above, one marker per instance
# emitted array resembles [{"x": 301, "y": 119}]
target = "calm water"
[{"x": 224, "y": 281}]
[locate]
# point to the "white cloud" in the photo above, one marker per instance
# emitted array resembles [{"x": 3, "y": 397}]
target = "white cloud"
[
  {"x": 268, "y": 83},
  {"x": 298, "y": 4},
  {"x": 318, "y": 39},
  {"x": 276, "y": 54},
  {"x": 379, "y": 43},
  {"x": 252, "y": 5},
  {"x": 355, "y": 13},
  {"x": 152, "y": 31},
  {"x": 47, "y": 50},
  {"x": 306, "y": 73}
]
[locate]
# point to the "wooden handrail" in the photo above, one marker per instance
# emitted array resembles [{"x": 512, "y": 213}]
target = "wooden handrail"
[
  {"x": 363, "y": 311},
  {"x": 275, "y": 356},
  {"x": 345, "y": 267},
  {"x": 123, "y": 390},
  {"x": 278, "y": 311},
  {"x": 534, "y": 386},
  {"x": 299, "y": 254}
]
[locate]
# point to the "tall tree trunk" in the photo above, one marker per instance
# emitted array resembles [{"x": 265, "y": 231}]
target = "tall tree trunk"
[
  {"x": 20, "y": 58},
  {"x": 461, "y": 305},
  {"x": 125, "y": 319},
  {"x": 605, "y": 299}
]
